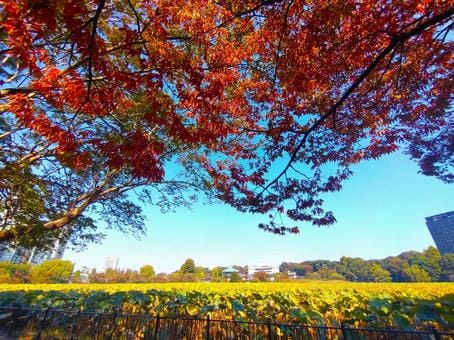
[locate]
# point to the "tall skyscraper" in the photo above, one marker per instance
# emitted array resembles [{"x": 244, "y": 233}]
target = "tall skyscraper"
[
  {"x": 59, "y": 250},
  {"x": 111, "y": 263},
  {"x": 39, "y": 256},
  {"x": 8, "y": 253},
  {"x": 14, "y": 255},
  {"x": 441, "y": 228}
]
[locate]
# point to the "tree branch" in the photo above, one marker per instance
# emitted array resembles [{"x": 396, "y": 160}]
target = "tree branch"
[
  {"x": 278, "y": 50},
  {"x": 91, "y": 46},
  {"x": 396, "y": 40}
]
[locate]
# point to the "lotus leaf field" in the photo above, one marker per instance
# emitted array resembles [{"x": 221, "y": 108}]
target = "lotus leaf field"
[{"x": 377, "y": 305}]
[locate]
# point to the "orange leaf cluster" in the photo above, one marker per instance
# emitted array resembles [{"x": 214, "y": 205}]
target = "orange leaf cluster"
[{"x": 271, "y": 100}]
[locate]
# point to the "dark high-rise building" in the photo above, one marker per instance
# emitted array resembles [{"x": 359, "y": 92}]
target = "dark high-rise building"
[{"x": 441, "y": 228}]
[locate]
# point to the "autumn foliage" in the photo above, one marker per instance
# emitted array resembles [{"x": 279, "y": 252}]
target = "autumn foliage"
[{"x": 267, "y": 104}]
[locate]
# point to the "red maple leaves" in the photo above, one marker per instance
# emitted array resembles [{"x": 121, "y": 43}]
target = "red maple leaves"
[{"x": 271, "y": 100}]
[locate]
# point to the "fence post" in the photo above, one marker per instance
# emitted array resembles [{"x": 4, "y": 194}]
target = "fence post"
[
  {"x": 114, "y": 320},
  {"x": 38, "y": 336},
  {"x": 270, "y": 330},
  {"x": 436, "y": 334},
  {"x": 16, "y": 315},
  {"x": 73, "y": 326},
  {"x": 344, "y": 331},
  {"x": 207, "y": 334},
  {"x": 156, "y": 328}
]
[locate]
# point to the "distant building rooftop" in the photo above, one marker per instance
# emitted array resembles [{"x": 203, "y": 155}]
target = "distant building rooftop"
[
  {"x": 230, "y": 270},
  {"x": 440, "y": 216}
]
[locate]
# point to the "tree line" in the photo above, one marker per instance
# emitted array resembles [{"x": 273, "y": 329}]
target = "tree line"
[
  {"x": 52, "y": 271},
  {"x": 62, "y": 271},
  {"x": 410, "y": 266}
]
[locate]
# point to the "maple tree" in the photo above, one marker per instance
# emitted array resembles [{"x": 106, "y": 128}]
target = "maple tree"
[{"x": 263, "y": 104}]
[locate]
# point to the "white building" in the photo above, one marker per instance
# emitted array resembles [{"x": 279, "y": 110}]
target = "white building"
[
  {"x": 84, "y": 273},
  {"x": 292, "y": 275},
  {"x": 270, "y": 270}
]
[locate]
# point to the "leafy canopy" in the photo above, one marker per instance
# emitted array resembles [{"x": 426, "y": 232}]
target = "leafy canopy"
[
  {"x": 52, "y": 271},
  {"x": 262, "y": 104}
]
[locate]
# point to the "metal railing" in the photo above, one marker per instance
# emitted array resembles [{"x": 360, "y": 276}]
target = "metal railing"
[{"x": 49, "y": 323}]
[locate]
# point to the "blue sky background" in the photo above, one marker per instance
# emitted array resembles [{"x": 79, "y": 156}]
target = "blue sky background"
[{"x": 380, "y": 212}]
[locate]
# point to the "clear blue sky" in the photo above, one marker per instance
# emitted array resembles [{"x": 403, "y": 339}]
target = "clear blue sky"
[{"x": 380, "y": 212}]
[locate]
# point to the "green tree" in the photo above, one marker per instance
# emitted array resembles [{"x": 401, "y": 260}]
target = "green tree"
[
  {"x": 179, "y": 277},
  {"x": 147, "y": 273},
  {"x": 432, "y": 263},
  {"x": 415, "y": 273},
  {"x": 216, "y": 274},
  {"x": 14, "y": 273},
  {"x": 349, "y": 276},
  {"x": 188, "y": 267},
  {"x": 4, "y": 276},
  {"x": 284, "y": 267},
  {"x": 52, "y": 271},
  {"x": 313, "y": 276},
  {"x": 235, "y": 277},
  {"x": 75, "y": 277},
  {"x": 303, "y": 269},
  {"x": 395, "y": 265},
  {"x": 329, "y": 274},
  {"x": 281, "y": 277},
  {"x": 378, "y": 274},
  {"x": 201, "y": 273},
  {"x": 358, "y": 268},
  {"x": 447, "y": 267},
  {"x": 428, "y": 260}
]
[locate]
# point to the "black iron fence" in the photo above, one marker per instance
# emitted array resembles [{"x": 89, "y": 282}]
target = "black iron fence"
[{"x": 32, "y": 323}]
